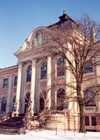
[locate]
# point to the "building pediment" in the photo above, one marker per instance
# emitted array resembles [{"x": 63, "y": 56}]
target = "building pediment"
[{"x": 37, "y": 38}]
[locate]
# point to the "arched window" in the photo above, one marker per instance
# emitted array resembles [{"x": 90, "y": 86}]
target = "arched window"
[
  {"x": 60, "y": 99},
  {"x": 44, "y": 71},
  {"x": 13, "y": 108},
  {"x": 28, "y": 79},
  {"x": 60, "y": 67},
  {"x": 3, "y": 105},
  {"x": 90, "y": 97}
]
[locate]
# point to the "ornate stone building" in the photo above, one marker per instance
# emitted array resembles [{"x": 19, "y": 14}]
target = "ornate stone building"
[{"x": 32, "y": 77}]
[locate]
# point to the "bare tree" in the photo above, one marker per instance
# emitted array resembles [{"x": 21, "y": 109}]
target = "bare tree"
[{"x": 77, "y": 43}]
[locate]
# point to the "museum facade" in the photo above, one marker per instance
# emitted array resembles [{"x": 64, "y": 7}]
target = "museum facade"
[{"x": 35, "y": 74}]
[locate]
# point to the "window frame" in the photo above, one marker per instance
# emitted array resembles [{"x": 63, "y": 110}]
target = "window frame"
[
  {"x": 93, "y": 120},
  {"x": 15, "y": 80},
  {"x": 60, "y": 99},
  {"x": 3, "y": 104},
  {"x": 13, "y": 103},
  {"x": 89, "y": 66},
  {"x": 5, "y": 83},
  {"x": 87, "y": 123},
  {"x": 88, "y": 96},
  {"x": 28, "y": 74},
  {"x": 44, "y": 70},
  {"x": 60, "y": 63}
]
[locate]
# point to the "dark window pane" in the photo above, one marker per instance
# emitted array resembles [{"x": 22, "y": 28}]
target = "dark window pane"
[
  {"x": 60, "y": 67},
  {"x": 60, "y": 99},
  {"x": 86, "y": 120},
  {"x": 93, "y": 118},
  {"x": 5, "y": 83},
  {"x": 90, "y": 97},
  {"x": 88, "y": 67},
  {"x": 15, "y": 81},
  {"x": 13, "y": 108},
  {"x": 29, "y": 74},
  {"x": 44, "y": 70},
  {"x": 3, "y": 105},
  {"x": 26, "y": 101}
]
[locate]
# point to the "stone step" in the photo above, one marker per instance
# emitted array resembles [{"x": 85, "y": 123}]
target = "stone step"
[
  {"x": 5, "y": 122},
  {"x": 11, "y": 131},
  {"x": 11, "y": 126},
  {"x": 12, "y": 122},
  {"x": 15, "y": 118}
]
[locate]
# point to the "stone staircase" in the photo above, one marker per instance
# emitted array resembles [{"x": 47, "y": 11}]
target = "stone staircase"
[
  {"x": 50, "y": 119},
  {"x": 11, "y": 126}
]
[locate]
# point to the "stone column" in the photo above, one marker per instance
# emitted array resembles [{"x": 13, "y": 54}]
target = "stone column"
[
  {"x": 68, "y": 82},
  {"x": 32, "y": 94},
  {"x": 9, "y": 95},
  {"x": 18, "y": 89},
  {"x": 67, "y": 76},
  {"x": 48, "y": 104}
]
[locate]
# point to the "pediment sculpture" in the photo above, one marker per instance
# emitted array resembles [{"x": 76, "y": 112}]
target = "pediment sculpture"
[
  {"x": 36, "y": 39},
  {"x": 39, "y": 38}
]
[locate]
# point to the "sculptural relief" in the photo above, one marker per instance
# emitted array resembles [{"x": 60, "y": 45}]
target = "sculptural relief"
[{"x": 39, "y": 39}]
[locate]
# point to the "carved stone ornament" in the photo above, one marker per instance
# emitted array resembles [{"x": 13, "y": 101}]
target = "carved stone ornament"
[{"x": 39, "y": 38}]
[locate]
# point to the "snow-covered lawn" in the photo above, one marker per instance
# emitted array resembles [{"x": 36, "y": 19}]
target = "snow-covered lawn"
[{"x": 51, "y": 135}]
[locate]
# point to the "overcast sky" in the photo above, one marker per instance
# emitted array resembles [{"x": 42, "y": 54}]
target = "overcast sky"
[{"x": 18, "y": 18}]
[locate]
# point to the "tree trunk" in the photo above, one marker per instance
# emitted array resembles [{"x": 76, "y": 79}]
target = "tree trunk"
[
  {"x": 81, "y": 107},
  {"x": 82, "y": 118}
]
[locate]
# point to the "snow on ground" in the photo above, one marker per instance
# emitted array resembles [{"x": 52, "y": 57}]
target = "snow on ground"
[{"x": 51, "y": 135}]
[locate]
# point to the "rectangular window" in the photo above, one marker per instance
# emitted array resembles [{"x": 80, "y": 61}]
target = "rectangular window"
[
  {"x": 93, "y": 118},
  {"x": 88, "y": 67},
  {"x": 15, "y": 81},
  {"x": 5, "y": 83},
  {"x": 90, "y": 97},
  {"x": 86, "y": 120}
]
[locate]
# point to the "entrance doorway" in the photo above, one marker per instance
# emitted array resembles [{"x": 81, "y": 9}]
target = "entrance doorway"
[
  {"x": 42, "y": 104},
  {"x": 3, "y": 105},
  {"x": 60, "y": 99},
  {"x": 26, "y": 101},
  {"x": 42, "y": 100},
  {"x": 13, "y": 108}
]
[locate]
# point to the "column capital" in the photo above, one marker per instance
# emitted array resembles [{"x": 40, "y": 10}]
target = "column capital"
[
  {"x": 33, "y": 59},
  {"x": 49, "y": 56},
  {"x": 20, "y": 63}
]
